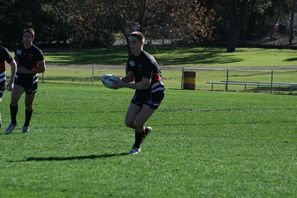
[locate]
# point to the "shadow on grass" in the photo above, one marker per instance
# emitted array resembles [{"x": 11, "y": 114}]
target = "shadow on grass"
[
  {"x": 196, "y": 56},
  {"x": 227, "y": 124},
  {"x": 70, "y": 78},
  {"x": 165, "y": 56},
  {"x": 87, "y": 56},
  {"x": 84, "y": 157},
  {"x": 291, "y": 59}
]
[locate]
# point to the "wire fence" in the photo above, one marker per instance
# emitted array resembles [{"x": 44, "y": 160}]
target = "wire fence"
[{"x": 264, "y": 79}]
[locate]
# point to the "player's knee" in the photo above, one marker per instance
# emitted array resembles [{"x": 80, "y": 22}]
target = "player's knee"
[
  {"x": 29, "y": 108},
  {"x": 138, "y": 126},
  {"x": 129, "y": 124},
  {"x": 13, "y": 103}
]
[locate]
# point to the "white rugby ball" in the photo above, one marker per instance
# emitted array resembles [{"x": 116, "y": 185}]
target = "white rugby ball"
[{"x": 109, "y": 79}]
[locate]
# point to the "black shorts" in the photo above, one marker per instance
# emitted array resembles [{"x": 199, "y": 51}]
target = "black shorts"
[
  {"x": 30, "y": 84},
  {"x": 152, "y": 98},
  {"x": 2, "y": 83},
  {"x": 2, "y": 88}
]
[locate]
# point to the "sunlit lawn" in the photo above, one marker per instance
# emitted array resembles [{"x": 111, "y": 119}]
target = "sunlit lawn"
[
  {"x": 204, "y": 144},
  {"x": 195, "y": 56}
]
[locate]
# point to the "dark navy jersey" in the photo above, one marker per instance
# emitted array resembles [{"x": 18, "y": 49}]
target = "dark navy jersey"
[
  {"x": 144, "y": 66},
  {"x": 4, "y": 56},
  {"x": 28, "y": 58}
]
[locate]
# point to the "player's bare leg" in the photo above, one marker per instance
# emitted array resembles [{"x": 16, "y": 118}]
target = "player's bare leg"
[
  {"x": 16, "y": 94},
  {"x": 28, "y": 112},
  {"x": 143, "y": 115}
]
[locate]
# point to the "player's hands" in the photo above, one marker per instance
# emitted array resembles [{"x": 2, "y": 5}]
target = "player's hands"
[
  {"x": 23, "y": 70},
  {"x": 9, "y": 86},
  {"x": 117, "y": 85}
]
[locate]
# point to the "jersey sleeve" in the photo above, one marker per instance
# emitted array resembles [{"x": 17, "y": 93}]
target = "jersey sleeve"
[
  {"x": 127, "y": 67},
  {"x": 7, "y": 56},
  {"x": 147, "y": 69},
  {"x": 39, "y": 55}
]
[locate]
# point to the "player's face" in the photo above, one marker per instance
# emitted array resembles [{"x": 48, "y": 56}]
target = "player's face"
[
  {"x": 135, "y": 44},
  {"x": 27, "y": 38}
]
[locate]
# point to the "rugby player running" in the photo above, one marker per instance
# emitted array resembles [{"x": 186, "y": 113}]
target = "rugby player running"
[
  {"x": 30, "y": 61},
  {"x": 142, "y": 74},
  {"x": 5, "y": 56}
]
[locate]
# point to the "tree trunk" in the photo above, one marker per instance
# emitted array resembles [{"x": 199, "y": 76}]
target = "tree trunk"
[
  {"x": 245, "y": 19},
  {"x": 273, "y": 27},
  {"x": 127, "y": 39},
  {"x": 234, "y": 28},
  {"x": 141, "y": 17},
  {"x": 233, "y": 38},
  {"x": 291, "y": 30}
]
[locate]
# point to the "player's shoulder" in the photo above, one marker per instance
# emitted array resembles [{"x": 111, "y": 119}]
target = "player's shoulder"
[
  {"x": 35, "y": 48},
  {"x": 5, "y": 53},
  {"x": 148, "y": 57},
  {"x": 3, "y": 49},
  {"x": 36, "y": 51}
]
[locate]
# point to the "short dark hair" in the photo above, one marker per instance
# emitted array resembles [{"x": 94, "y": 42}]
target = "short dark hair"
[
  {"x": 29, "y": 30},
  {"x": 138, "y": 35}
]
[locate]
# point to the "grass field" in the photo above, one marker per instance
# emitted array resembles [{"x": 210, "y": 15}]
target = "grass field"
[
  {"x": 173, "y": 78},
  {"x": 204, "y": 144},
  {"x": 190, "y": 56}
]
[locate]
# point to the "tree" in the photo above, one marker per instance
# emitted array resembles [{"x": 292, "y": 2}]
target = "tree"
[
  {"x": 19, "y": 14},
  {"x": 87, "y": 21},
  {"x": 235, "y": 17},
  {"x": 95, "y": 22},
  {"x": 292, "y": 6},
  {"x": 187, "y": 20},
  {"x": 58, "y": 27},
  {"x": 192, "y": 21}
]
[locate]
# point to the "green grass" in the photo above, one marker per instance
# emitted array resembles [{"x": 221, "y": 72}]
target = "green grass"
[
  {"x": 61, "y": 61},
  {"x": 190, "y": 56},
  {"x": 173, "y": 78},
  {"x": 204, "y": 144}
]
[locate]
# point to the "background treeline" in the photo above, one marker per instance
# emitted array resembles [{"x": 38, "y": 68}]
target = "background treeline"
[{"x": 100, "y": 22}]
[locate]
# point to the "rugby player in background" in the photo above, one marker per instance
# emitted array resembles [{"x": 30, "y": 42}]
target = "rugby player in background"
[
  {"x": 5, "y": 56},
  {"x": 30, "y": 61}
]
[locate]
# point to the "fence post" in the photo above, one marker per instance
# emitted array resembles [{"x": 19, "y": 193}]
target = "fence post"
[
  {"x": 227, "y": 80},
  {"x": 182, "y": 81},
  {"x": 93, "y": 73},
  {"x": 271, "y": 81}
]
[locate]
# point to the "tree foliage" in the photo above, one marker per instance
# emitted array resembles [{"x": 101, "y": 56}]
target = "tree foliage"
[
  {"x": 236, "y": 17},
  {"x": 88, "y": 22},
  {"x": 18, "y": 14},
  {"x": 96, "y": 22}
]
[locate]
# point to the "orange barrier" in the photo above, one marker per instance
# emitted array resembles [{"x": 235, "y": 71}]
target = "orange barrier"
[{"x": 189, "y": 80}]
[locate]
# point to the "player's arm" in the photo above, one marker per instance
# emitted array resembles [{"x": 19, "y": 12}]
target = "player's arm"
[
  {"x": 39, "y": 69},
  {"x": 13, "y": 67},
  {"x": 129, "y": 77},
  {"x": 141, "y": 85}
]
